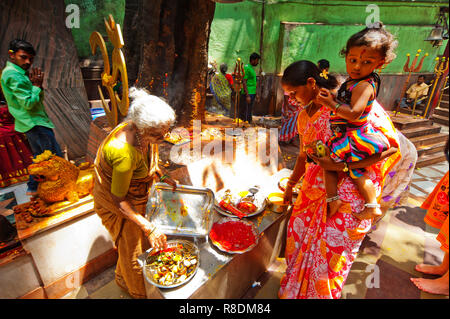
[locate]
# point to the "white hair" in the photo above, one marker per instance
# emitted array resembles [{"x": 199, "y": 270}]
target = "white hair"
[{"x": 148, "y": 111}]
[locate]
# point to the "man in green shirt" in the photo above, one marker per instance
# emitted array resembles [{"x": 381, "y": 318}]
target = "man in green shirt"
[
  {"x": 248, "y": 93},
  {"x": 24, "y": 95}
]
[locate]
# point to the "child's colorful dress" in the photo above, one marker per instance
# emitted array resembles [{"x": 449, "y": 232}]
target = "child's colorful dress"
[{"x": 353, "y": 141}]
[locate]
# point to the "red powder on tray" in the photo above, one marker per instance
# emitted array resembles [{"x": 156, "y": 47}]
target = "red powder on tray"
[{"x": 233, "y": 235}]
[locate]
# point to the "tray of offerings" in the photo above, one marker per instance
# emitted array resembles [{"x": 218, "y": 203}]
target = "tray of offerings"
[
  {"x": 183, "y": 215},
  {"x": 240, "y": 204},
  {"x": 175, "y": 138},
  {"x": 234, "y": 236},
  {"x": 174, "y": 266}
]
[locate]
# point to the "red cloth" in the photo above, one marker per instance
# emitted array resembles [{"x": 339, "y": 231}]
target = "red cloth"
[
  {"x": 15, "y": 152},
  {"x": 229, "y": 78}
]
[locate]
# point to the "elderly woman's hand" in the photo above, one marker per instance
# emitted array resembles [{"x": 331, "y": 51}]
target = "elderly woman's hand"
[
  {"x": 169, "y": 180},
  {"x": 157, "y": 240}
]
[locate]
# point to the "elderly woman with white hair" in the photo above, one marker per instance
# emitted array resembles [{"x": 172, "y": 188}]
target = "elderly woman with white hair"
[{"x": 126, "y": 166}]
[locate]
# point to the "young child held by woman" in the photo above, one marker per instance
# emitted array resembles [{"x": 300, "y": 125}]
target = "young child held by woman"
[{"x": 354, "y": 138}]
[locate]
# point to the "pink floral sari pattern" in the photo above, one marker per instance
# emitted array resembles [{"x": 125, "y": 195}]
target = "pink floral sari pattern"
[{"x": 321, "y": 250}]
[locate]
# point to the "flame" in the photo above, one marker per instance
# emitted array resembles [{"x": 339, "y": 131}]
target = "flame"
[{"x": 242, "y": 164}]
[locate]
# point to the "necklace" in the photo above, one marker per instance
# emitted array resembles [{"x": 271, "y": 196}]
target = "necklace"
[{"x": 308, "y": 111}]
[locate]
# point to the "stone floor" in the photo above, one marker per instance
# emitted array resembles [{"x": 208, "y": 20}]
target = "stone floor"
[{"x": 400, "y": 241}]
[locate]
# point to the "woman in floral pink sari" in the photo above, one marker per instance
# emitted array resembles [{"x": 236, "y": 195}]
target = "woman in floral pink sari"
[{"x": 320, "y": 248}]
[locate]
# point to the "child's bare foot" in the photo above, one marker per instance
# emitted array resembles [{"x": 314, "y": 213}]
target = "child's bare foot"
[
  {"x": 369, "y": 213},
  {"x": 431, "y": 269},
  {"x": 334, "y": 206},
  {"x": 437, "y": 286}
]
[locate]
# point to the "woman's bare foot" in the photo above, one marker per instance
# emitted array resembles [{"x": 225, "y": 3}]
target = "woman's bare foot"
[
  {"x": 334, "y": 206},
  {"x": 368, "y": 213},
  {"x": 437, "y": 286},
  {"x": 431, "y": 269}
]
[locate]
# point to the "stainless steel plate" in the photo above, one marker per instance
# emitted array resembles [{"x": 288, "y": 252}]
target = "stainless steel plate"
[
  {"x": 233, "y": 220},
  {"x": 260, "y": 202},
  {"x": 187, "y": 211},
  {"x": 149, "y": 272}
]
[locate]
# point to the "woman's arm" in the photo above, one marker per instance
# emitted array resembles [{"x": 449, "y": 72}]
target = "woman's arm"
[
  {"x": 156, "y": 239},
  {"x": 120, "y": 182},
  {"x": 300, "y": 166},
  {"x": 299, "y": 170}
]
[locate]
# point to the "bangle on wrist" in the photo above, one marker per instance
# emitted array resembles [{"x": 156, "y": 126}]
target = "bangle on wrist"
[
  {"x": 162, "y": 178},
  {"x": 151, "y": 232},
  {"x": 337, "y": 106}
]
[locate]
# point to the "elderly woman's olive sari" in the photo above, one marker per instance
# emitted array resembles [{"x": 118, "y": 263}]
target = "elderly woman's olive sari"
[{"x": 127, "y": 236}]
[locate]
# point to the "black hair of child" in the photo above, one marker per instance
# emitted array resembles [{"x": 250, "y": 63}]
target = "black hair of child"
[{"x": 376, "y": 37}]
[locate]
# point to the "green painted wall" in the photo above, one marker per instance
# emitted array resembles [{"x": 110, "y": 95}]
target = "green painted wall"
[
  {"x": 235, "y": 31},
  {"x": 92, "y": 13}
]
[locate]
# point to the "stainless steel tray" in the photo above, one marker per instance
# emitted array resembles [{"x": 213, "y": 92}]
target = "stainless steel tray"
[
  {"x": 187, "y": 211},
  {"x": 148, "y": 272}
]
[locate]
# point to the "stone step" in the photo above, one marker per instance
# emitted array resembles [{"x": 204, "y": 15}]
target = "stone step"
[
  {"x": 440, "y": 119},
  {"x": 405, "y": 121},
  {"x": 440, "y": 111},
  {"x": 417, "y": 112},
  {"x": 444, "y": 104},
  {"x": 421, "y": 130},
  {"x": 429, "y": 139},
  {"x": 430, "y": 149},
  {"x": 431, "y": 159}
]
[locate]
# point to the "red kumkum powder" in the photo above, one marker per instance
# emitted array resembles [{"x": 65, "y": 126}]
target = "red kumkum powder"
[{"x": 233, "y": 235}]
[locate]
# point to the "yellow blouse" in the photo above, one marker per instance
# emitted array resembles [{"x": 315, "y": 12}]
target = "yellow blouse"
[{"x": 127, "y": 163}]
